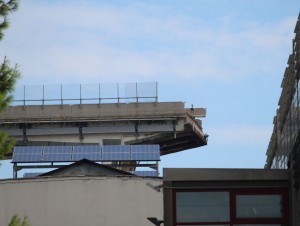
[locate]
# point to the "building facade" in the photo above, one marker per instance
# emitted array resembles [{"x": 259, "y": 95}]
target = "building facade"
[
  {"x": 81, "y": 200},
  {"x": 284, "y": 147},
  {"x": 226, "y": 197}
]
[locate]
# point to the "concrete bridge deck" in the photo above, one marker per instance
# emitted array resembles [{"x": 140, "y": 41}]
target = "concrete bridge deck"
[{"x": 169, "y": 124}]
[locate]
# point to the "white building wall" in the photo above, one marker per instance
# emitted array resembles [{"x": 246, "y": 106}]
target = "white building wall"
[{"x": 81, "y": 201}]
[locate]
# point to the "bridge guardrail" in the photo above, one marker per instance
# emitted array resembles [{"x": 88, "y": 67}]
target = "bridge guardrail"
[{"x": 85, "y": 94}]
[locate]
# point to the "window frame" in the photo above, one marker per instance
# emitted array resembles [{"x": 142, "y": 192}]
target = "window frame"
[
  {"x": 270, "y": 191},
  {"x": 233, "y": 193}
]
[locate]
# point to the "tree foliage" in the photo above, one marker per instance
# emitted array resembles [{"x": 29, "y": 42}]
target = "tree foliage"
[
  {"x": 6, "y": 7},
  {"x": 8, "y": 74},
  {"x": 8, "y": 78},
  {"x": 16, "y": 221}
]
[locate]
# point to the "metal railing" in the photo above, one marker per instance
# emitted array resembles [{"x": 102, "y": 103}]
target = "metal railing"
[{"x": 85, "y": 94}]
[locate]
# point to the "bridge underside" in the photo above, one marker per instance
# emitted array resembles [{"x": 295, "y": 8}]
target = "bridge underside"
[{"x": 171, "y": 143}]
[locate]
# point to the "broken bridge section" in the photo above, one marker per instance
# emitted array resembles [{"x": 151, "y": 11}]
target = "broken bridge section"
[{"x": 169, "y": 124}]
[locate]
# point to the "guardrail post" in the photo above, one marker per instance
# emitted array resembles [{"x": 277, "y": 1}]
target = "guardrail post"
[
  {"x": 156, "y": 92},
  {"x": 61, "y": 96},
  {"x": 118, "y": 94},
  {"x": 43, "y": 100},
  {"x": 99, "y": 95},
  {"x": 24, "y": 95},
  {"x": 80, "y": 95},
  {"x": 136, "y": 93}
]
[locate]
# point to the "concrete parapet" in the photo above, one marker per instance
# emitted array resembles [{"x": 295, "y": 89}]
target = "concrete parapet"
[{"x": 92, "y": 111}]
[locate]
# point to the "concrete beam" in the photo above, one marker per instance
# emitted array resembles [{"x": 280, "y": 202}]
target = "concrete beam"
[{"x": 90, "y": 112}]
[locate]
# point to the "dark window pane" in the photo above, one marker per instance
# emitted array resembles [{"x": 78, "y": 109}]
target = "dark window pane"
[
  {"x": 202, "y": 206},
  {"x": 258, "y": 206}
]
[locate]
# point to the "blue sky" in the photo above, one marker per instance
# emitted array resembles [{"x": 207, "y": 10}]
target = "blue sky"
[{"x": 226, "y": 56}]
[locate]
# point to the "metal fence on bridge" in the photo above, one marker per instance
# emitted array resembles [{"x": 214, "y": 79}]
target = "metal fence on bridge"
[{"x": 85, "y": 94}]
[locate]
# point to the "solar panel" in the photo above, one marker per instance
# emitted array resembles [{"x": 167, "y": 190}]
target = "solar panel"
[
  {"x": 27, "y": 175},
  {"x": 145, "y": 157},
  {"x": 57, "y": 154},
  {"x": 145, "y": 152},
  {"x": 116, "y": 148},
  {"x": 87, "y": 149},
  {"x": 57, "y": 157},
  {"x": 90, "y": 152},
  {"x": 89, "y": 156},
  {"x": 58, "y": 149},
  {"x": 115, "y": 156},
  {"x": 24, "y": 158},
  {"x": 145, "y": 148},
  {"x": 150, "y": 173},
  {"x": 115, "y": 152},
  {"x": 24, "y": 154},
  {"x": 28, "y": 149}
]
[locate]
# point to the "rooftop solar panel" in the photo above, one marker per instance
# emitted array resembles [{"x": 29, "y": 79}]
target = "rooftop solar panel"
[
  {"x": 57, "y": 149},
  {"x": 116, "y": 156},
  {"x": 145, "y": 152},
  {"x": 28, "y": 149},
  {"x": 145, "y": 157},
  {"x": 90, "y": 156},
  {"x": 26, "y": 158},
  {"x": 116, "y": 148},
  {"x": 115, "y": 152},
  {"x": 145, "y": 148},
  {"x": 87, "y": 149},
  {"x": 92, "y": 152},
  {"x": 57, "y": 157},
  {"x": 27, "y": 154}
]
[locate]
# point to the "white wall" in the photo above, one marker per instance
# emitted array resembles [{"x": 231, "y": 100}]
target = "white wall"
[{"x": 81, "y": 201}]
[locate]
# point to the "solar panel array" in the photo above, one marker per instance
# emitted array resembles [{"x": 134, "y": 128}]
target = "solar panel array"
[{"x": 28, "y": 154}]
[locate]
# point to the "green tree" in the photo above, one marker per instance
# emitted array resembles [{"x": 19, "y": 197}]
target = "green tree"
[
  {"x": 6, "y": 7},
  {"x": 8, "y": 74},
  {"x": 16, "y": 221}
]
